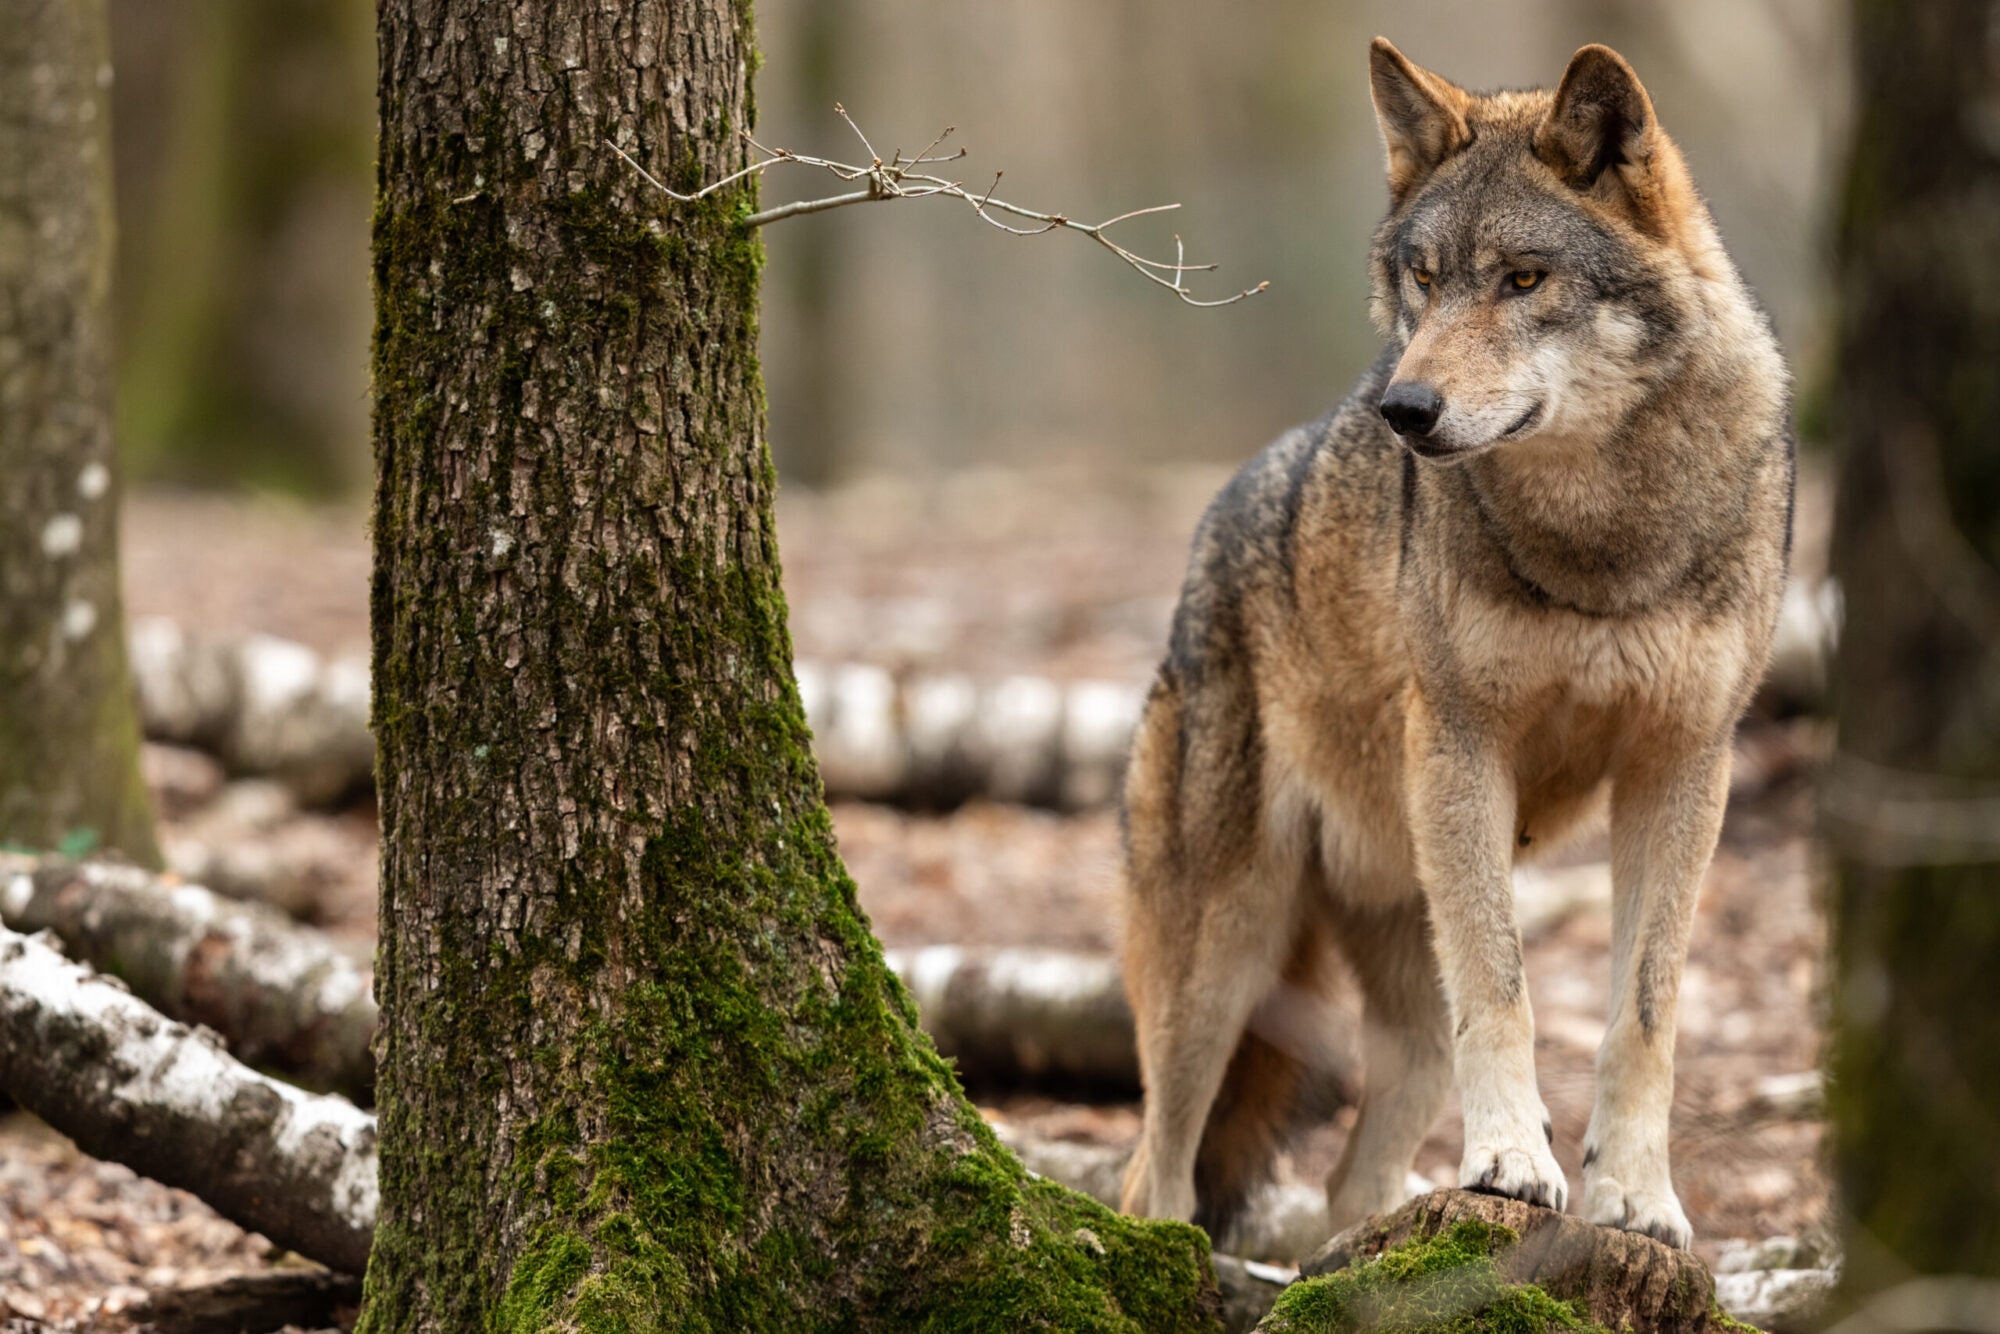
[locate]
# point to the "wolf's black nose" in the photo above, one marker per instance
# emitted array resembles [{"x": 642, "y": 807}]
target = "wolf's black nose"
[{"x": 1412, "y": 408}]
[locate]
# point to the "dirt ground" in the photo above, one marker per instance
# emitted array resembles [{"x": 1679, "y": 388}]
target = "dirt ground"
[{"x": 991, "y": 572}]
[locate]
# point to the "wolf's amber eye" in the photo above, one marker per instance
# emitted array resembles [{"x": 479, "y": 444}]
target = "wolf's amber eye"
[
  {"x": 1523, "y": 279},
  {"x": 1423, "y": 277}
]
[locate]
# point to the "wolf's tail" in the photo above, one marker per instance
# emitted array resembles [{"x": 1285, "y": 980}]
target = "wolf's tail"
[{"x": 1279, "y": 1081}]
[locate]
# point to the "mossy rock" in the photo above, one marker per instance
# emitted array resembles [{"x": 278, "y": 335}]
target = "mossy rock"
[{"x": 1453, "y": 1262}]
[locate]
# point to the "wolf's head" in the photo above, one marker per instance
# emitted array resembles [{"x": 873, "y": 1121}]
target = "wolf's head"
[{"x": 1542, "y": 257}]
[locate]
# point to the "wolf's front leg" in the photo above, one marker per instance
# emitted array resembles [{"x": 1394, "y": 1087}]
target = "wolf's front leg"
[
  {"x": 1666, "y": 813},
  {"x": 1461, "y": 796}
]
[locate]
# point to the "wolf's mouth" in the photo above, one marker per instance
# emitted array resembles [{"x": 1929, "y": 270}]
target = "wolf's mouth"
[{"x": 1527, "y": 420}]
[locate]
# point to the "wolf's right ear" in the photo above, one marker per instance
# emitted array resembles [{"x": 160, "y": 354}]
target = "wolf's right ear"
[{"x": 1422, "y": 116}]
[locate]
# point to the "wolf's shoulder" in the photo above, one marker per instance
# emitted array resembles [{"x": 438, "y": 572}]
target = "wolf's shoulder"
[
  {"x": 1342, "y": 473},
  {"x": 1345, "y": 455}
]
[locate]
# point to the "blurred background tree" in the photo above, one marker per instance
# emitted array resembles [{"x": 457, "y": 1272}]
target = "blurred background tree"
[
  {"x": 911, "y": 340},
  {"x": 69, "y": 735},
  {"x": 244, "y": 147},
  {"x": 1913, "y": 797}
]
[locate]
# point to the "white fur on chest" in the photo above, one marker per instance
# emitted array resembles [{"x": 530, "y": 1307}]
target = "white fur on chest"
[{"x": 1653, "y": 658}]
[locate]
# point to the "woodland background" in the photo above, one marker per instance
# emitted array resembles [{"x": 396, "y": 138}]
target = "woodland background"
[{"x": 992, "y": 452}]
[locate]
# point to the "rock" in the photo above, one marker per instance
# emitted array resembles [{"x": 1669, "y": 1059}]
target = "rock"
[
  {"x": 1776, "y": 1299},
  {"x": 1621, "y": 1279}
]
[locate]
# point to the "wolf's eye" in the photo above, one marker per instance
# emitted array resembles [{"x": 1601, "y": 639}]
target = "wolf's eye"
[
  {"x": 1523, "y": 279},
  {"x": 1423, "y": 277}
]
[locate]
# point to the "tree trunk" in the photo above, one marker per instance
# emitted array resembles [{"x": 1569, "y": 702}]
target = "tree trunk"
[
  {"x": 1913, "y": 802},
  {"x": 69, "y": 735},
  {"x": 643, "y": 1065}
]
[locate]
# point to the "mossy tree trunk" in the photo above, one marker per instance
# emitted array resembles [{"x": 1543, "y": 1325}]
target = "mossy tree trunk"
[
  {"x": 643, "y": 1067},
  {"x": 1914, "y": 798},
  {"x": 69, "y": 732}
]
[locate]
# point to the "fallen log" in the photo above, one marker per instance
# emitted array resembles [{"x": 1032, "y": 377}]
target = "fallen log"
[
  {"x": 280, "y": 995},
  {"x": 280, "y": 1299},
  {"x": 1012, "y": 1016},
  {"x": 1622, "y": 1280},
  {"x": 133, "y": 1087},
  {"x": 267, "y": 706},
  {"x": 262, "y": 705},
  {"x": 283, "y": 996}
]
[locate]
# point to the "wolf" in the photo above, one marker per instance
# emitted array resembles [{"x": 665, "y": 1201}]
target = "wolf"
[{"x": 1529, "y": 569}]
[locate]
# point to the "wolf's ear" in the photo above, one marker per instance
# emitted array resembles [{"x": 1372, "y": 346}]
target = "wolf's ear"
[
  {"x": 1422, "y": 116},
  {"x": 1601, "y": 118}
]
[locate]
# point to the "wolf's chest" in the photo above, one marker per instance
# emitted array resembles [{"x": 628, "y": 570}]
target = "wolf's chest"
[{"x": 1666, "y": 659}]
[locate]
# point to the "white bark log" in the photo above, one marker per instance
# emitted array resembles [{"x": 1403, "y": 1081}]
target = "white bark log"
[
  {"x": 281, "y": 995},
  {"x": 131, "y": 1086},
  {"x": 1776, "y": 1299},
  {"x": 263, "y": 705},
  {"x": 269, "y": 706},
  {"x": 1010, "y": 1016}
]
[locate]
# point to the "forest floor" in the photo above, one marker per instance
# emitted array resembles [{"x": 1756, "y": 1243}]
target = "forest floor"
[{"x": 1059, "y": 575}]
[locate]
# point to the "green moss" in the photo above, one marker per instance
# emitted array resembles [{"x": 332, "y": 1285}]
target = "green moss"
[
  {"x": 1441, "y": 1284},
  {"x": 1720, "y": 1319}
]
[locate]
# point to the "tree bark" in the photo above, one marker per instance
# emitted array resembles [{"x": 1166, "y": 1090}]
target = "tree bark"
[
  {"x": 280, "y": 995},
  {"x": 644, "y": 1066},
  {"x": 132, "y": 1087},
  {"x": 69, "y": 736},
  {"x": 1913, "y": 797}
]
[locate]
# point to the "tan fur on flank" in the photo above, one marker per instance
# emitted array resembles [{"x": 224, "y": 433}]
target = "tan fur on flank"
[{"x": 1400, "y": 664}]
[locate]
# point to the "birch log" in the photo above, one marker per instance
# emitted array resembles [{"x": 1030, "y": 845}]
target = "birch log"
[
  {"x": 131, "y": 1086},
  {"x": 271, "y": 707},
  {"x": 282, "y": 996}
]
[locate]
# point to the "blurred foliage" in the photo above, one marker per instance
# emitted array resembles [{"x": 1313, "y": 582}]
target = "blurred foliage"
[
  {"x": 911, "y": 337},
  {"x": 244, "y": 140}
]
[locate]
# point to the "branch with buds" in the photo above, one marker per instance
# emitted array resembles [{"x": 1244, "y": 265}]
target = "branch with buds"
[{"x": 904, "y": 178}]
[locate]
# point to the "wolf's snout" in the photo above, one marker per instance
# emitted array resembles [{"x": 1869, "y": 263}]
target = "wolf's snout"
[{"x": 1411, "y": 408}]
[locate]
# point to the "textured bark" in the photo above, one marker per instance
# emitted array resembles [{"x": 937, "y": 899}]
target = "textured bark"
[
  {"x": 130, "y": 1086},
  {"x": 69, "y": 739},
  {"x": 280, "y": 995},
  {"x": 1913, "y": 798},
  {"x": 643, "y": 1064},
  {"x": 1622, "y": 1279}
]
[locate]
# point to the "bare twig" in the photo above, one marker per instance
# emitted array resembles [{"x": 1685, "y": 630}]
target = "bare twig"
[{"x": 899, "y": 178}]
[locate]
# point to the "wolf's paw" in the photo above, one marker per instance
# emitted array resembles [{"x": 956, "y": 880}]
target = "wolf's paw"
[
  {"x": 1529, "y": 1174},
  {"x": 1657, "y": 1213}
]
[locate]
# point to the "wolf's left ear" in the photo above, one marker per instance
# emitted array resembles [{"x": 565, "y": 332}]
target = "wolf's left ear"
[
  {"x": 1422, "y": 116},
  {"x": 1601, "y": 120}
]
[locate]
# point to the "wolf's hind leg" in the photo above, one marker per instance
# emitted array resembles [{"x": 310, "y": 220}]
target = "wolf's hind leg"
[
  {"x": 1406, "y": 1056},
  {"x": 1194, "y": 977},
  {"x": 1666, "y": 814}
]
